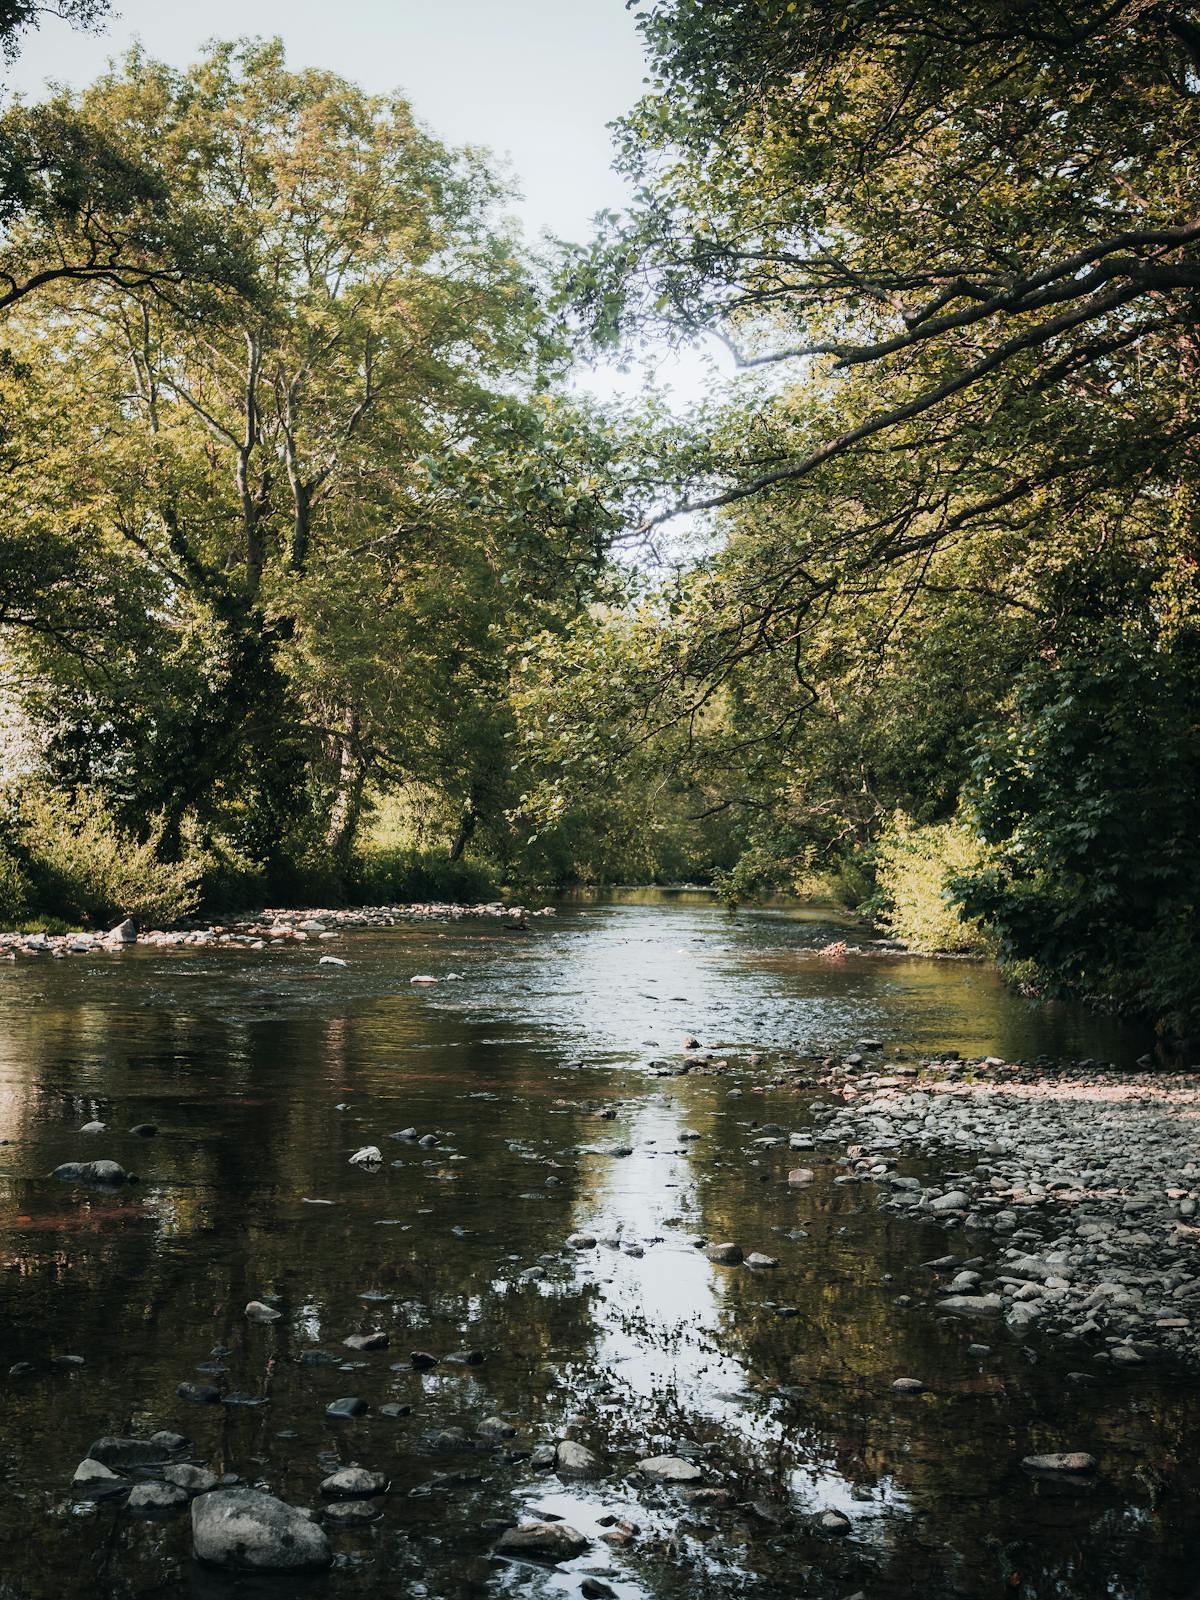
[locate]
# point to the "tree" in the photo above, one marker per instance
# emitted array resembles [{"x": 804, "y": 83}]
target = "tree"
[{"x": 318, "y": 510}]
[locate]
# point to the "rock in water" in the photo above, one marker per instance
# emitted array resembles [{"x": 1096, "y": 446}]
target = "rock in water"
[
  {"x": 350, "y": 1406},
  {"x": 90, "y": 1172},
  {"x": 369, "y": 1156},
  {"x": 94, "y": 1481},
  {"x": 725, "y": 1255},
  {"x": 908, "y": 1386},
  {"x": 124, "y": 933},
  {"x": 970, "y": 1305},
  {"x": 196, "y": 1480},
  {"x": 254, "y": 1532},
  {"x": 125, "y": 1453},
  {"x": 670, "y": 1469},
  {"x": 353, "y": 1482},
  {"x": 833, "y": 1522},
  {"x": 1064, "y": 1461},
  {"x": 156, "y": 1499},
  {"x": 542, "y": 1541},
  {"x": 574, "y": 1460},
  {"x": 257, "y": 1311}
]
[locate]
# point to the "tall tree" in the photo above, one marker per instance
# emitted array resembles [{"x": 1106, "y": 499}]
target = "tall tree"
[{"x": 286, "y": 486}]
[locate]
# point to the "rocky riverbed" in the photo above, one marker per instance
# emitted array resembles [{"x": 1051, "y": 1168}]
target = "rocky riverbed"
[
  {"x": 265, "y": 928},
  {"x": 1075, "y": 1187}
]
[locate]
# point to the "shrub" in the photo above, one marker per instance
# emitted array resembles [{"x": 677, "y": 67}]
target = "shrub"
[
  {"x": 83, "y": 867},
  {"x": 378, "y": 876},
  {"x": 913, "y": 869},
  {"x": 14, "y": 890}
]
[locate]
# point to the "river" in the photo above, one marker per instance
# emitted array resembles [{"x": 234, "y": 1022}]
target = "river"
[{"x": 264, "y": 1071}]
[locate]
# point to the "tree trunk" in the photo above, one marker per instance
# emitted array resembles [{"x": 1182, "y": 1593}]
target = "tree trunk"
[
  {"x": 347, "y": 799},
  {"x": 465, "y": 829}
]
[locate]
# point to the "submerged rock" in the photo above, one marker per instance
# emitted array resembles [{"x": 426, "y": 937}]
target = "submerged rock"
[
  {"x": 259, "y": 1311},
  {"x": 253, "y": 1532}
]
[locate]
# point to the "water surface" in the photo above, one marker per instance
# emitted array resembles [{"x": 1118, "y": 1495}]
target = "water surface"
[{"x": 265, "y": 1071}]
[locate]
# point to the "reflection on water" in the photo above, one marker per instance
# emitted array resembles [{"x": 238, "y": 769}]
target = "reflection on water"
[{"x": 264, "y": 1072}]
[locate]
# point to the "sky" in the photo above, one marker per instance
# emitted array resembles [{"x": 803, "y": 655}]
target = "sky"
[{"x": 536, "y": 81}]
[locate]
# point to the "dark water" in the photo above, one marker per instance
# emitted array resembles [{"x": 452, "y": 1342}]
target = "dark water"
[{"x": 265, "y": 1072}]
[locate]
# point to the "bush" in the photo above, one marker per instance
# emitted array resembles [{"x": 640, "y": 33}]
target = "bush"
[
  {"x": 14, "y": 890},
  {"x": 83, "y": 867},
  {"x": 913, "y": 869},
  {"x": 380, "y": 876}
]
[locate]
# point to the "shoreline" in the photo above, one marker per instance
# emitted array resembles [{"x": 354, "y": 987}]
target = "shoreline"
[{"x": 1074, "y": 1198}]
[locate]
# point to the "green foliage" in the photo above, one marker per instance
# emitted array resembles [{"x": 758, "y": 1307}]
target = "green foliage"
[
  {"x": 81, "y": 866},
  {"x": 388, "y": 876},
  {"x": 14, "y": 889},
  {"x": 914, "y": 868},
  {"x": 1087, "y": 798}
]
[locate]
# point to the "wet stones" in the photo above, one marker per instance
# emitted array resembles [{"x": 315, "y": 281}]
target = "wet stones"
[
  {"x": 495, "y": 1428},
  {"x": 582, "y": 1241},
  {"x": 94, "y": 1481},
  {"x": 971, "y": 1305},
  {"x": 156, "y": 1499},
  {"x": 200, "y": 1394},
  {"x": 259, "y": 1311},
  {"x": 354, "y": 1483},
  {"x": 575, "y": 1460},
  {"x": 760, "y": 1261},
  {"x": 105, "y": 1172},
  {"x": 669, "y": 1469},
  {"x": 366, "y": 1341},
  {"x": 369, "y": 1156},
  {"x": 193, "y": 1479},
  {"x": 349, "y": 1406},
  {"x": 834, "y": 1524},
  {"x": 422, "y": 1360},
  {"x": 542, "y": 1541},
  {"x": 1075, "y": 1462},
  {"x": 907, "y": 1386},
  {"x": 351, "y": 1513},
  {"x": 955, "y": 1200},
  {"x": 123, "y": 1454},
  {"x": 799, "y": 1177},
  {"x": 252, "y": 1532},
  {"x": 727, "y": 1254}
]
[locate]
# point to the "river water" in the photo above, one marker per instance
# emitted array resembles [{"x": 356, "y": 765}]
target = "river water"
[{"x": 264, "y": 1071}]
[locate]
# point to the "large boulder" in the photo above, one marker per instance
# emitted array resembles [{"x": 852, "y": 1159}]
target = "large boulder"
[{"x": 253, "y": 1532}]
